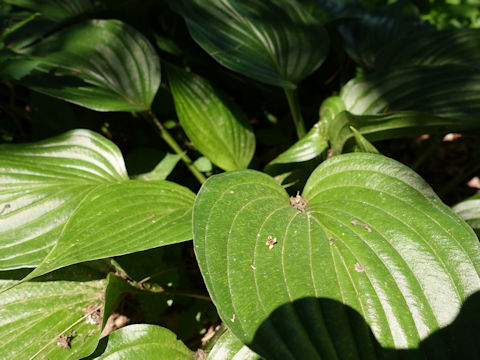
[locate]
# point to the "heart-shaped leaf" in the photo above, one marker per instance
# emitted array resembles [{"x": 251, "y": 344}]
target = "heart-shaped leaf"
[
  {"x": 57, "y": 316},
  {"x": 216, "y": 126},
  {"x": 276, "y": 42},
  {"x": 146, "y": 342},
  {"x": 119, "y": 71},
  {"x": 69, "y": 197},
  {"x": 367, "y": 232}
]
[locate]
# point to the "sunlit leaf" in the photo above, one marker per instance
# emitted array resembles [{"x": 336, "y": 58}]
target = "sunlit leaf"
[
  {"x": 216, "y": 126},
  {"x": 118, "y": 71},
  {"x": 142, "y": 341},
  {"x": 59, "y": 316},
  {"x": 366, "y": 243},
  {"x": 229, "y": 347},
  {"x": 68, "y": 199}
]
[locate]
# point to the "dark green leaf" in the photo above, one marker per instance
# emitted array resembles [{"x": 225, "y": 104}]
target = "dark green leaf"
[
  {"x": 373, "y": 237},
  {"x": 469, "y": 210},
  {"x": 275, "y": 42}
]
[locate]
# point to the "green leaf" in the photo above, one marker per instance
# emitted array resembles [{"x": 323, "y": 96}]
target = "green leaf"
[
  {"x": 373, "y": 237},
  {"x": 119, "y": 71},
  {"x": 276, "y": 42},
  {"x": 448, "y": 91},
  {"x": 216, "y": 126},
  {"x": 229, "y": 347},
  {"x": 145, "y": 342},
  {"x": 362, "y": 144},
  {"x": 54, "y": 10},
  {"x": 390, "y": 126},
  {"x": 163, "y": 169},
  {"x": 68, "y": 199},
  {"x": 469, "y": 210},
  {"x": 307, "y": 148},
  {"x": 36, "y": 314},
  {"x": 452, "y": 46}
]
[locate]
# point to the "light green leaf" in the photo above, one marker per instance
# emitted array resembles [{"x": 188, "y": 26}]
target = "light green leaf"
[
  {"x": 68, "y": 199},
  {"x": 447, "y": 91},
  {"x": 469, "y": 210},
  {"x": 142, "y": 341},
  {"x": 390, "y": 126},
  {"x": 163, "y": 169},
  {"x": 229, "y": 347},
  {"x": 203, "y": 164},
  {"x": 307, "y": 148},
  {"x": 34, "y": 315},
  {"x": 276, "y": 42},
  {"x": 374, "y": 246},
  {"x": 216, "y": 126},
  {"x": 362, "y": 144},
  {"x": 119, "y": 71}
]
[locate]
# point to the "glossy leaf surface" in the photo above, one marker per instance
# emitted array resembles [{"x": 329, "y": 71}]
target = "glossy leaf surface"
[
  {"x": 277, "y": 42},
  {"x": 68, "y": 199},
  {"x": 142, "y": 341},
  {"x": 216, "y": 126},
  {"x": 119, "y": 71},
  {"x": 229, "y": 347},
  {"x": 35, "y": 315},
  {"x": 449, "y": 91},
  {"x": 374, "y": 246}
]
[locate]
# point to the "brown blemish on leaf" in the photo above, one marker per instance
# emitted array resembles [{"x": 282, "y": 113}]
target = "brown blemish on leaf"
[
  {"x": 365, "y": 226},
  {"x": 332, "y": 241},
  {"x": 64, "y": 340},
  {"x": 359, "y": 268},
  {"x": 94, "y": 314},
  {"x": 271, "y": 241},
  {"x": 298, "y": 202},
  {"x": 5, "y": 207}
]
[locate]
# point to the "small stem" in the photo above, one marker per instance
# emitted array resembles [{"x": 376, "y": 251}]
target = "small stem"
[
  {"x": 292, "y": 99},
  {"x": 165, "y": 135}
]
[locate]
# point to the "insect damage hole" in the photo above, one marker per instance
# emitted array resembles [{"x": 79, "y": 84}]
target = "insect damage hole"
[
  {"x": 365, "y": 226},
  {"x": 271, "y": 241},
  {"x": 298, "y": 202}
]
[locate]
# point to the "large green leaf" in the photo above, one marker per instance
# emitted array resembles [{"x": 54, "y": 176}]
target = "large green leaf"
[
  {"x": 216, "y": 126},
  {"x": 276, "y": 42},
  {"x": 116, "y": 71},
  {"x": 69, "y": 302},
  {"x": 68, "y": 199},
  {"x": 146, "y": 342},
  {"x": 373, "y": 237},
  {"x": 452, "y": 46},
  {"x": 449, "y": 91},
  {"x": 229, "y": 347},
  {"x": 54, "y": 10}
]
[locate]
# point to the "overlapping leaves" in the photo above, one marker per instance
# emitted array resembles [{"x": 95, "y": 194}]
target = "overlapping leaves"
[
  {"x": 68, "y": 199},
  {"x": 374, "y": 246}
]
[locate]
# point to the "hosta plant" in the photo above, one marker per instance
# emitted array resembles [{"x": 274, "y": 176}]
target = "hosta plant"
[{"x": 259, "y": 130}]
